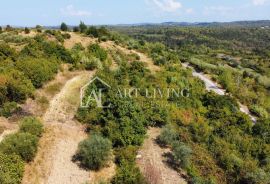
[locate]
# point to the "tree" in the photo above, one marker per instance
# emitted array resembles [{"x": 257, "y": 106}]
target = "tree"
[
  {"x": 82, "y": 27},
  {"x": 63, "y": 27},
  {"x": 39, "y": 28},
  {"x": 1, "y": 29},
  {"x": 9, "y": 28},
  {"x": 26, "y": 30},
  {"x": 76, "y": 29},
  {"x": 94, "y": 152}
]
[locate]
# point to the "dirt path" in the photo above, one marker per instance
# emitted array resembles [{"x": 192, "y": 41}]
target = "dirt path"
[
  {"x": 77, "y": 38},
  {"x": 53, "y": 163},
  {"x": 212, "y": 86},
  {"x": 152, "y": 162},
  {"x": 143, "y": 58}
]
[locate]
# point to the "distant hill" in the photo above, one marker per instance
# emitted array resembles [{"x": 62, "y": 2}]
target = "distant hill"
[{"x": 259, "y": 23}]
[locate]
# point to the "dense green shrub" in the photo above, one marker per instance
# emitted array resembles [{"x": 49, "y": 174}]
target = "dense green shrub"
[
  {"x": 128, "y": 173},
  {"x": 8, "y": 109},
  {"x": 181, "y": 154},
  {"x": 259, "y": 111},
  {"x": 38, "y": 71},
  {"x": 262, "y": 129},
  {"x": 11, "y": 169},
  {"x": 31, "y": 125},
  {"x": 126, "y": 154},
  {"x": 7, "y": 52},
  {"x": 22, "y": 144},
  {"x": 97, "y": 51},
  {"x": 94, "y": 152},
  {"x": 168, "y": 135},
  {"x": 26, "y": 30},
  {"x": 14, "y": 87},
  {"x": 41, "y": 48}
]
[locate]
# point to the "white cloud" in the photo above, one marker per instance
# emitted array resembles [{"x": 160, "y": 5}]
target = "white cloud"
[
  {"x": 167, "y": 5},
  {"x": 71, "y": 11},
  {"x": 259, "y": 2}
]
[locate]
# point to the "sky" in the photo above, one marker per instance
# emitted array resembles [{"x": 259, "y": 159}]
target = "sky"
[{"x": 100, "y": 12}]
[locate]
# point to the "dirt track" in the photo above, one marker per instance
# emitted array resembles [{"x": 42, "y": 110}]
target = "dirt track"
[
  {"x": 53, "y": 163},
  {"x": 153, "y": 163}
]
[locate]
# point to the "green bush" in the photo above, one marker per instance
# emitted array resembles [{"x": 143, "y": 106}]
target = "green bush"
[
  {"x": 181, "y": 154},
  {"x": 26, "y": 30},
  {"x": 11, "y": 169},
  {"x": 126, "y": 154},
  {"x": 8, "y": 109},
  {"x": 128, "y": 173},
  {"x": 31, "y": 125},
  {"x": 22, "y": 144},
  {"x": 262, "y": 129},
  {"x": 38, "y": 71},
  {"x": 14, "y": 87},
  {"x": 7, "y": 52},
  {"x": 94, "y": 152},
  {"x": 97, "y": 51},
  {"x": 259, "y": 111},
  {"x": 168, "y": 135}
]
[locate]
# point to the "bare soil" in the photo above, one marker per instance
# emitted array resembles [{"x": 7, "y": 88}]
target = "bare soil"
[{"x": 153, "y": 164}]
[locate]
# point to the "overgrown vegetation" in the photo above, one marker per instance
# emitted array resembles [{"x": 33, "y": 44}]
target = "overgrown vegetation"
[{"x": 18, "y": 148}]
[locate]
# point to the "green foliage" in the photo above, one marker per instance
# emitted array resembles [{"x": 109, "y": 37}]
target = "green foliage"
[
  {"x": 41, "y": 48},
  {"x": 22, "y": 144},
  {"x": 98, "y": 52},
  {"x": 82, "y": 27},
  {"x": 31, "y": 125},
  {"x": 101, "y": 32},
  {"x": 64, "y": 27},
  {"x": 38, "y": 71},
  {"x": 181, "y": 154},
  {"x": 259, "y": 111},
  {"x": 94, "y": 152},
  {"x": 76, "y": 29},
  {"x": 11, "y": 169},
  {"x": 262, "y": 129},
  {"x": 8, "y": 109},
  {"x": 26, "y": 30},
  {"x": 14, "y": 87},
  {"x": 6, "y": 52},
  {"x": 128, "y": 173},
  {"x": 126, "y": 154},
  {"x": 168, "y": 135}
]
